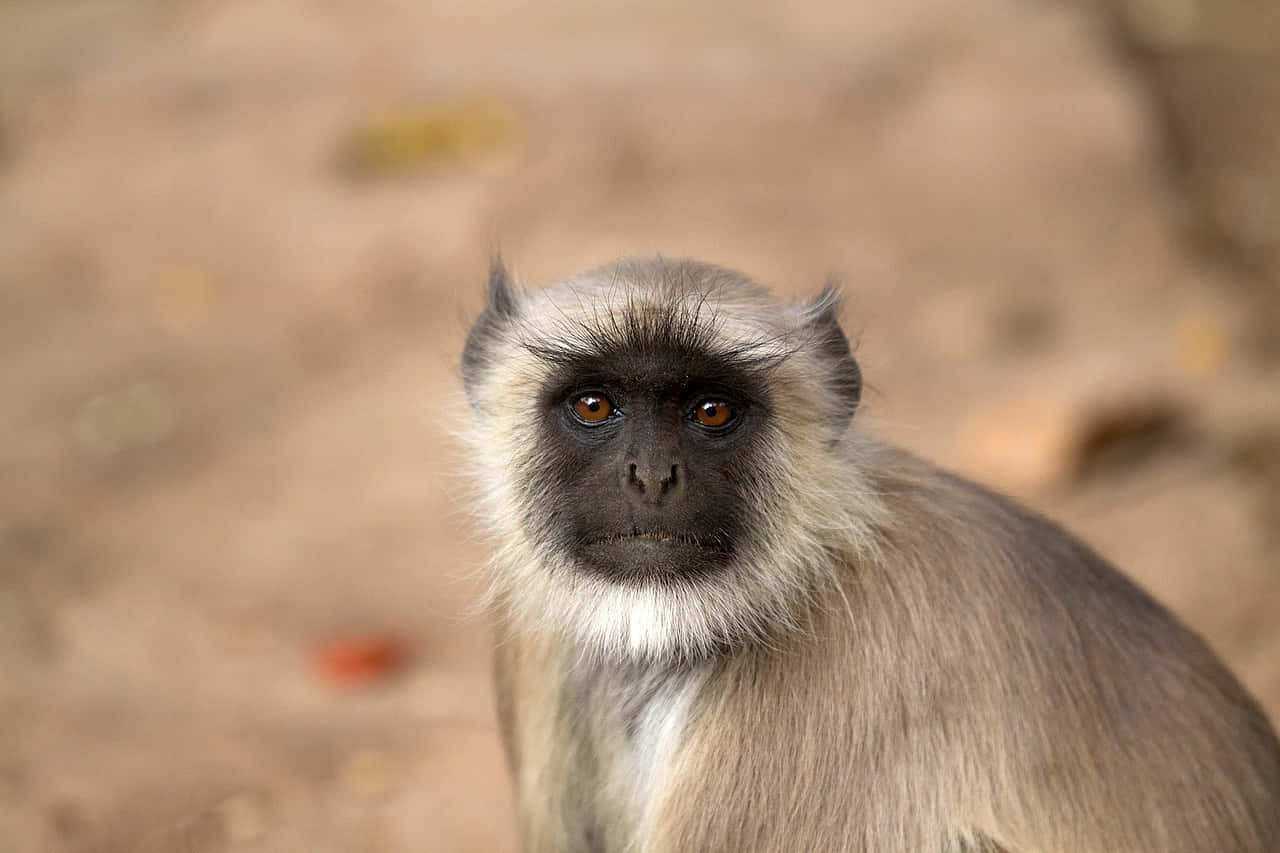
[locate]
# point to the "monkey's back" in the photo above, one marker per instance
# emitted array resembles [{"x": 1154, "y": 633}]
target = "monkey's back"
[{"x": 1004, "y": 684}]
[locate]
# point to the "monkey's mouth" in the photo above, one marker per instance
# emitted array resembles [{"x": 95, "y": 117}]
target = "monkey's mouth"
[
  {"x": 651, "y": 553},
  {"x": 638, "y": 535}
]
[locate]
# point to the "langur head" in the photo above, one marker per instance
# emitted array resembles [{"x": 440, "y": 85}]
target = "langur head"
[{"x": 664, "y": 454}]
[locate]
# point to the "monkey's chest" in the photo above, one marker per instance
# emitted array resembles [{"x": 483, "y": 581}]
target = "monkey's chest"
[
  {"x": 630, "y": 758},
  {"x": 654, "y": 733}
]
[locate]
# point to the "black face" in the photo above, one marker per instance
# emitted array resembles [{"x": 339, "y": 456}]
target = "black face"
[{"x": 647, "y": 460}]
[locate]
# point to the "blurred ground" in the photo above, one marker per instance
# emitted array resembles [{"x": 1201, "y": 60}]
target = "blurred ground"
[{"x": 238, "y": 245}]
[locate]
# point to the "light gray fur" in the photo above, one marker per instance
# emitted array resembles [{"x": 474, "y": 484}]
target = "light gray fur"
[{"x": 900, "y": 661}]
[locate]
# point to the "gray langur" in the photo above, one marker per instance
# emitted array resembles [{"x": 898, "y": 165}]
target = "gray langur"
[{"x": 727, "y": 620}]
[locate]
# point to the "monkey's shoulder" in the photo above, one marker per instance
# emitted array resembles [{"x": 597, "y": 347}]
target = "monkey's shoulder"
[
  {"x": 982, "y": 557},
  {"x": 938, "y": 515}
]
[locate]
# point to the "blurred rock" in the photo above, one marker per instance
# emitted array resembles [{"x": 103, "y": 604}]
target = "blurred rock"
[
  {"x": 1113, "y": 436},
  {"x": 1036, "y": 442}
]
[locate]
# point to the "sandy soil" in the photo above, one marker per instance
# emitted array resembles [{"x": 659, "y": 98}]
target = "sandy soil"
[{"x": 239, "y": 242}]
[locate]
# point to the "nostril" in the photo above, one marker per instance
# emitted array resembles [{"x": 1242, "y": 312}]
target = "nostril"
[{"x": 633, "y": 479}]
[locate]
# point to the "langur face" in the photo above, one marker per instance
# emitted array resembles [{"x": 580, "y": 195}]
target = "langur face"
[{"x": 647, "y": 460}]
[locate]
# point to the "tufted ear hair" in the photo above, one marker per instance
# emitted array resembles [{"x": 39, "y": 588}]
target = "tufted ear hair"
[
  {"x": 500, "y": 309},
  {"x": 820, "y": 324},
  {"x": 500, "y": 299}
]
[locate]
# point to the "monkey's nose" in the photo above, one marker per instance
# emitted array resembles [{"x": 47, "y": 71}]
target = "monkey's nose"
[{"x": 653, "y": 484}]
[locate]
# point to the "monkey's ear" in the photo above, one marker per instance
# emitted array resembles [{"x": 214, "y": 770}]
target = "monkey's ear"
[
  {"x": 820, "y": 321},
  {"x": 499, "y": 309},
  {"x": 500, "y": 299}
]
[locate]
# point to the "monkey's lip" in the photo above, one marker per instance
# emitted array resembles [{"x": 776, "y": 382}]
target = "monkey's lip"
[
  {"x": 663, "y": 537},
  {"x": 651, "y": 553}
]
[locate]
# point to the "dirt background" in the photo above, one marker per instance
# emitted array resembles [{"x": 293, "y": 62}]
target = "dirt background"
[{"x": 240, "y": 240}]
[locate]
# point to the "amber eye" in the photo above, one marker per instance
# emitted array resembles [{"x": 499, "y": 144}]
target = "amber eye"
[
  {"x": 592, "y": 408},
  {"x": 713, "y": 413}
]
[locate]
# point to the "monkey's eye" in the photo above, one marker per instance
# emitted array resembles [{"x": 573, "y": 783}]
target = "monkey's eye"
[
  {"x": 593, "y": 408},
  {"x": 713, "y": 413}
]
